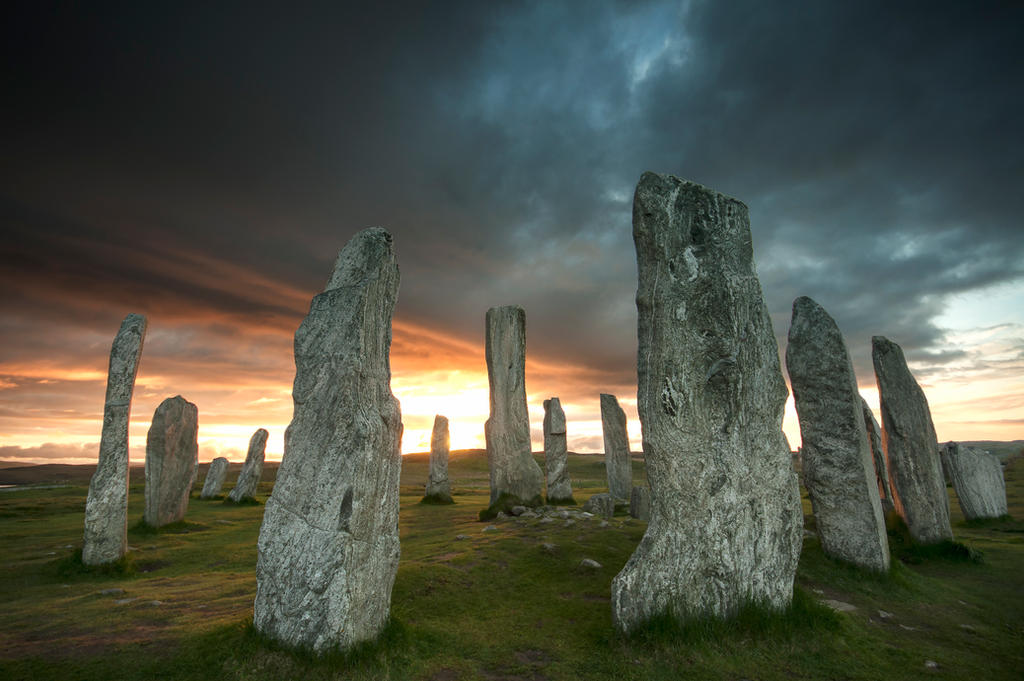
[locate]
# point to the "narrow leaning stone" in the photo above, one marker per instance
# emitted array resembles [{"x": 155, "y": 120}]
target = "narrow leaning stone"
[
  {"x": 616, "y": 448},
  {"x": 977, "y": 477},
  {"x": 556, "y": 456},
  {"x": 215, "y": 475},
  {"x": 439, "y": 488},
  {"x": 252, "y": 469},
  {"x": 911, "y": 448},
  {"x": 725, "y": 526},
  {"x": 838, "y": 469},
  {"x": 328, "y": 547},
  {"x": 106, "y": 507},
  {"x": 874, "y": 432},
  {"x": 172, "y": 460},
  {"x": 515, "y": 476}
]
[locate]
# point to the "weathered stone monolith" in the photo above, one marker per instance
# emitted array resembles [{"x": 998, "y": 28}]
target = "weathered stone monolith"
[
  {"x": 215, "y": 475},
  {"x": 172, "y": 460},
  {"x": 977, "y": 477},
  {"x": 556, "y": 457},
  {"x": 640, "y": 502},
  {"x": 616, "y": 448},
  {"x": 252, "y": 469},
  {"x": 328, "y": 546},
  {"x": 911, "y": 448},
  {"x": 106, "y": 507},
  {"x": 878, "y": 456},
  {"x": 725, "y": 526},
  {"x": 515, "y": 476},
  {"x": 838, "y": 470},
  {"x": 439, "y": 488}
]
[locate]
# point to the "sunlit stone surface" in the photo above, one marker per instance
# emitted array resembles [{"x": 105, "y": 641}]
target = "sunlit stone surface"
[
  {"x": 874, "y": 432},
  {"x": 252, "y": 469},
  {"x": 439, "y": 488},
  {"x": 725, "y": 524},
  {"x": 616, "y": 448},
  {"x": 215, "y": 475},
  {"x": 977, "y": 477},
  {"x": 556, "y": 457},
  {"x": 172, "y": 460}
]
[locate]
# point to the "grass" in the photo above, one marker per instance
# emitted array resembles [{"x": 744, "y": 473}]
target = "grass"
[{"x": 505, "y": 605}]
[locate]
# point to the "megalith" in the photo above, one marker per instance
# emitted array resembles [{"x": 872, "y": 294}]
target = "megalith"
[
  {"x": 172, "y": 460},
  {"x": 249, "y": 479},
  {"x": 726, "y": 521},
  {"x": 556, "y": 456},
  {"x": 328, "y": 546},
  {"x": 838, "y": 469},
  {"x": 874, "y": 432},
  {"x": 106, "y": 506},
  {"x": 977, "y": 478},
  {"x": 515, "y": 476},
  {"x": 215, "y": 475},
  {"x": 616, "y": 448},
  {"x": 439, "y": 488},
  {"x": 911, "y": 448}
]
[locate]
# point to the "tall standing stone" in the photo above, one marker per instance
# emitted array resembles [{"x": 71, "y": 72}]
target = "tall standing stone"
[
  {"x": 977, "y": 477},
  {"x": 556, "y": 456},
  {"x": 911, "y": 448},
  {"x": 616, "y": 448},
  {"x": 249, "y": 479},
  {"x": 874, "y": 432},
  {"x": 172, "y": 460},
  {"x": 725, "y": 527},
  {"x": 106, "y": 507},
  {"x": 328, "y": 546},
  {"x": 215, "y": 475},
  {"x": 515, "y": 476},
  {"x": 838, "y": 470},
  {"x": 439, "y": 488}
]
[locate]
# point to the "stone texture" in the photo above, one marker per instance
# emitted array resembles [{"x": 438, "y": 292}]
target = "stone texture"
[
  {"x": 328, "y": 547},
  {"x": 556, "y": 458},
  {"x": 874, "y": 432},
  {"x": 616, "y": 448},
  {"x": 215, "y": 475},
  {"x": 252, "y": 469},
  {"x": 977, "y": 477},
  {"x": 838, "y": 470},
  {"x": 514, "y": 473},
  {"x": 439, "y": 488},
  {"x": 725, "y": 526},
  {"x": 106, "y": 506},
  {"x": 640, "y": 503},
  {"x": 911, "y": 448},
  {"x": 172, "y": 460},
  {"x": 600, "y": 505}
]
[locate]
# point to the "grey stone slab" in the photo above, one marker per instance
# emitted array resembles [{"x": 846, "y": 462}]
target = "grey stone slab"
[
  {"x": 556, "y": 458},
  {"x": 977, "y": 478},
  {"x": 616, "y": 448},
  {"x": 252, "y": 470},
  {"x": 215, "y": 475},
  {"x": 439, "y": 487},
  {"x": 172, "y": 460}
]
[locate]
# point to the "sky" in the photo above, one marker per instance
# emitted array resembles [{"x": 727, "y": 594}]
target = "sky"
[{"x": 203, "y": 163}]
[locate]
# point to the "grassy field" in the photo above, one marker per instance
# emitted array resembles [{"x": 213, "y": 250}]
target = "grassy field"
[{"x": 511, "y": 604}]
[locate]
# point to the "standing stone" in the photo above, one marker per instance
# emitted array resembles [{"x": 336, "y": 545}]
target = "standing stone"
[
  {"x": 911, "y": 448},
  {"x": 977, "y": 477},
  {"x": 838, "y": 469},
  {"x": 172, "y": 460},
  {"x": 515, "y": 476},
  {"x": 600, "y": 504},
  {"x": 616, "y": 448},
  {"x": 252, "y": 469},
  {"x": 439, "y": 488},
  {"x": 214, "y": 478},
  {"x": 556, "y": 457},
  {"x": 106, "y": 507},
  {"x": 878, "y": 456},
  {"x": 328, "y": 546},
  {"x": 726, "y": 521},
  {"x": 640, "y": 503}
]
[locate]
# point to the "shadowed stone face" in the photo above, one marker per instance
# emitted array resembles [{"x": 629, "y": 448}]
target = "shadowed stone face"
[
  {"x": 640, "y": 503},
  {"x": 328, "y": 546},
  {"x": 249, "y": 478},
  {"x": 214, "y": 478},
  {"x": 725, "y": 524},
  {"x": 874, "y": 432},
  {"x": 977, "y": 478},
  {"x": 556, "y": 452},
  {"x": 172, "y": 460},
  {"x": 616, "y": 448},
  {"x": 438, "y": 485}
]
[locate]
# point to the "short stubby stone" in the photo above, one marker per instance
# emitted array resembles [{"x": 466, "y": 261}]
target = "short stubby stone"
[
  {"x": 977, "y": 478},
  {"x": 911, "y": 448},
  {"x": 515, "y": 476},
  {"x": 215, "y": 475},
  {"x": 172, "y": 461},
  {"x": 556, "y": 457},
  {"x": 874, "y": 432},
  {"x": 640, "y": 502},
  {"x": 725, "y": 527},
  {"x": 106, "y": 506},
  {"x": 252, "y": 469},
  {"x": 439, "y": 488},
  {"x": 328, "y": 547},
  {"x": 616, "y": 448},
  {"x": 838, "y": 470},
  {"x": 602, "y": 504}
]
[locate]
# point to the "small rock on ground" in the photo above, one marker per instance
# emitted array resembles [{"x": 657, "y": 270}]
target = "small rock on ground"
[
  {"x": 490, "y": 528},
  {"x": 839, "y": 606},
  {"x": 589, "y": 563},
  {"x": 462, "y": 536},
  {"x": 884, "y": 615},
  {"x": 931, "y": 664},
  {"x": 112, "y": 592}
]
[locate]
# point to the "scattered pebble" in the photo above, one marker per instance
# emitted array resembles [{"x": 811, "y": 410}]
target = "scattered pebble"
[
  {"x": 968, "y": 627},
  {"x": 569, "y": 523},
  {"x": 563, "y": 514},
  {"x": 547, "y": 519},
  {"x": 154, "y": 602},
  {"x": 549, "y": 547},
  {"x": 604, "y": 523},
  {"x": 124, "y": 601},
  {"x": 112, "y": 592},
  {"x": 460, "y": 537},
  {"x": 490, "y": 528},
  {"x": 589, "y": 563},
  {"x": 904, "y": 626},
  {"x": 586, "y": 515},
  {"x": 517, "y": 510},
  {"x": 931, "y": 664},
  {"x": 817, "y": 591},
  {"x": 884, "y": 615},
  {"x": 839, "y": 606}
]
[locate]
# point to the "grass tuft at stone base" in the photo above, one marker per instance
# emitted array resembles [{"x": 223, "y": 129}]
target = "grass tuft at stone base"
[
  {"x": 437, "y": 499},
  {"x": 72, "y": 566}
]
